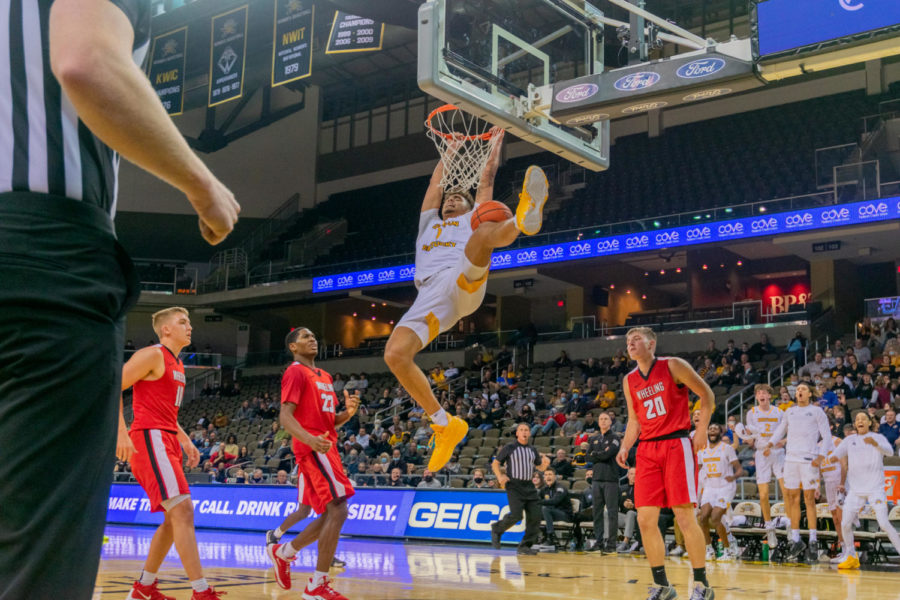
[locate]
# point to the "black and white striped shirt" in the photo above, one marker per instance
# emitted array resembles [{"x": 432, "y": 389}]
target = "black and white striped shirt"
[
  {"x": 44, "y": 147},
  {"x": 520, "y": 460}
]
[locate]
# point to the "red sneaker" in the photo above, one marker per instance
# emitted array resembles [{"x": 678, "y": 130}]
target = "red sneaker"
[
  {"x": 207, "y": 594},
  {"x": 147, "y": 592},
  {"x": 282, "y": 567},
  {"x": 323, "y": 592}
]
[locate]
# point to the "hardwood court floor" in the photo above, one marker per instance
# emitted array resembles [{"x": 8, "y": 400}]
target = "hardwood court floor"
[{"x": 385, "y": 570}]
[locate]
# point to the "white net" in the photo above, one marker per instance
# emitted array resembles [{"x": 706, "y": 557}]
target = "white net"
[{"x": 464, "y": 143}]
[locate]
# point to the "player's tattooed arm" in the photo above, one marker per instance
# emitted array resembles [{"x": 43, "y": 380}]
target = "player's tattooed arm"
[{"x": 486, "y": 181}]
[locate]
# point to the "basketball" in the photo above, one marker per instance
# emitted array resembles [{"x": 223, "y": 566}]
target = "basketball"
[{"x": 490, "y": 211}]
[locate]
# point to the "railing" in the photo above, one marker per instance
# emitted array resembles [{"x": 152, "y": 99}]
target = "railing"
[{"x": 735, "y": 402}]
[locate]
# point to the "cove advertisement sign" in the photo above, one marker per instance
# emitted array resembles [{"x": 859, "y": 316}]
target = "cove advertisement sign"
[
  {"x": 658, "y": 239},
  {"x": 464, "y": 515}
]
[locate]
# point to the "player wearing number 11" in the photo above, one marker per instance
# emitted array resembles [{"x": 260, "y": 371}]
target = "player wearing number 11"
[
  {"x": 154, "y": 448},
  {"x": 658, "y": 400}
]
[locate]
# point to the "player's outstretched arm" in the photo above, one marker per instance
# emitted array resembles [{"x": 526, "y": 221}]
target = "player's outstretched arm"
[
  {"x": 292, "y": 425},
  {"x": 435, "y": 192},
  {"x": 91, "y": 57},
  {"x": 486, "y": 181},
  {"x": 684, "y": 373},
  {"x": 632, "y": 430}
]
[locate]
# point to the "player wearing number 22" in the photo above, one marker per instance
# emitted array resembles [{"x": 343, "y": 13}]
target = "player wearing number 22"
[
  {"x": 657, "y": 395},
  {"x": 154, "y": 448}
]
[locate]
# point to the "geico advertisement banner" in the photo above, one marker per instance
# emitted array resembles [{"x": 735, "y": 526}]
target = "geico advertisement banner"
[
  {"x": 699, "y": 232},
  {"x": 431, "y": 514}
]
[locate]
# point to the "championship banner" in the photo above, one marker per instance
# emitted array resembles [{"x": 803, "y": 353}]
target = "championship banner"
[
  {"x": 445, "y": 514},
  {"x": 228, "y": 50},
  {"x": 292, "y": 43},
  {"x": 351, "y": 33},
  {"x": 167, "y": 58}
]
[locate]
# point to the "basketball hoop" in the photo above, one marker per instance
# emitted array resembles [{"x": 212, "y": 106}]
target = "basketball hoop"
[{"x": 464, "y": 143}]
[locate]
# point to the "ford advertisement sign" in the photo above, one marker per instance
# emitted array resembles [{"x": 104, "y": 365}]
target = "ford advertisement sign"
[
  {"x": 711, "y": 232},
  {"x": 701, "y": 68},
  {"x": 396, "y": 513}
]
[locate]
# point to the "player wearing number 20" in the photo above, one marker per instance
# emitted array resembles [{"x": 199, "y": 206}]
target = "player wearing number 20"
[
  {"x": 657, "y": 396},
  {"x": 154, "y": 448}
]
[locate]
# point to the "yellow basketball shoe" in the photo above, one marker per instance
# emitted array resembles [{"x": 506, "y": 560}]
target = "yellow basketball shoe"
[
  {"x": 529, "y": 214},
  {"x": 849, "y": 563},
  {"x": 445, "y": 440}
]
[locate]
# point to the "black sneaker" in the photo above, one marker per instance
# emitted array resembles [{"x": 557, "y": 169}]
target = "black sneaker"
[
  {"x": 812, "y": 553},
  {"x": 526, "y": 550},
  {"x": 495, "y": 538},
  {"x": 795, "y": 551},
  {"x": 338, "y": 563},
  {"x": 270, "y": 537}
]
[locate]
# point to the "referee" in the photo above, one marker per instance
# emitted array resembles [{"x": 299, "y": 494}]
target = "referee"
[
  {"x": 72, "y": 96},
  {"x": 520, "y": 459}
]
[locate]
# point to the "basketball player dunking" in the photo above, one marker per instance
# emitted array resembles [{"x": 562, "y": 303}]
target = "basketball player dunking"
[
  {"x": 154, "y": 448},
  {"x": 452, "y": 264},
  {"x": 657, "y": 396}
]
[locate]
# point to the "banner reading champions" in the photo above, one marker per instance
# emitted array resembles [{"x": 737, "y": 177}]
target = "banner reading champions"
[
  {"x": 228, "y": 51},
  {"x": 463, "y": 515},
  {"x": 352, "y": 33},
  {"x": 292, "y": 45},
  {"x": 167, "y": 58}
]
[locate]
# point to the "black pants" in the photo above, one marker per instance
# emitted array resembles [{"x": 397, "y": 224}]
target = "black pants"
[
  {"x": 606, "y": 496},
  {"x": 522, "y": 497},
  {"x": 582, "y": 516},
  {"x": 65, "y": 285},
  {"x": 551, "y": 514}
]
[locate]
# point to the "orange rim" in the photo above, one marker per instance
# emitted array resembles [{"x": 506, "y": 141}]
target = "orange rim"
[{"x": 449, "y": 136}]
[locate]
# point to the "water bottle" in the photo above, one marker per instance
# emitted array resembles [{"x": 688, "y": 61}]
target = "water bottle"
[{"x": 765, "y": 552}]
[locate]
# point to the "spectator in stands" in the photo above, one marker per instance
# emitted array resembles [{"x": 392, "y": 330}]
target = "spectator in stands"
[
  {"x": 838, "y": 419},
  {"x": 352, "y": 383},
  {"x": 538, "y": 480},
  {"x": 890, "y": 428},
  {"x": 618, "y": 368},
  {"x": 841, "y": 385},
  {"x": 478, "y": 480},
  {"x": 748, "y": 375},
  {"x": 862, "y": 352},
  {"x": 815, "y": 368},
  {"x": 605, "y": 397},
  {"x": 382, "y": 446},
  {"x": 590, "y": 368},
  {"x": 422, "y": 433},
  {"x": 397, "y": 461},
  {"x": 730, "y": 352},
  {"x": 562, "y": 360},
  {"x": 507, "y": 378},
  {"x": 853, "y": 369},
  {"x": 245, "y": 411},
  {"x": 381, "y": 466},
  {"x": 580, "y": 457},
  {"x": 826, "y": 397},
  {"x": 572, "y": 426},
  {"x": 453, "y": 465},
  {"x": 429, "y": 481},
  {"x": 881, "y": 394},
  {"x": 708, "y": 371},
  {"x": 726, "y": 376},
  {"x": 618, "y": 425},
  {"x": 270, "y": 411},
  {"x": 231, "y": 450},
  {"x": 526, "y": 415},
  {"x": 556, "y": 505},
  {"x": 627, "y": 517},
  {"x": 712, "y": 352},
  {"x": 257, "y": 477},
  {"x": 865, "y": 390},
  {"x": 362, "y": 477},
  {"x": 338, "y": 383},
  {"x": 436, "y": 378},
  {"x": 553, "y": 421},
  {"x": 562, "y": 466},
  {"x": 411, "y": 454},
  {"x": 796, "y": 346},
  {"x": 397, "y": 479},
  {"x": 728, "y": 435},
  {"x": 761, "y": 348},
  {"x": 221, "y": 420},
  {"x": 281, "y": 478}
]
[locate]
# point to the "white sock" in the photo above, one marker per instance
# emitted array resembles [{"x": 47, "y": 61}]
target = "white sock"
[
  {"x": 473, "y": 272},
  {"x": 812, "y": 536},
  {"x": 795, "y": 535},
  {"x": 279, "y": 532},
  {"x": 147, "y": 578},
  {"x": 200, "y": 585},
  {"x": 440, "y": 418},
  {"x": 317, "y": 579},
  {"x": 287, "y": 551}
]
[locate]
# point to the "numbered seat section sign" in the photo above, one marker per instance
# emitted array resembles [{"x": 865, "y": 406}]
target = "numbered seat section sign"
[
  {"x": 292, "y": 45},
  {"x": 227, "y": 56},
  {"x": 352, "y": 33},
  {"x": 167, "y": 59}
]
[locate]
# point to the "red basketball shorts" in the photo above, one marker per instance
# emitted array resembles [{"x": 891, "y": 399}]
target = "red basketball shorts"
[
  {"x": 156, "y": 465},
  {"x": 665, "y": 473},
  {"x": 321, "y": 479}
]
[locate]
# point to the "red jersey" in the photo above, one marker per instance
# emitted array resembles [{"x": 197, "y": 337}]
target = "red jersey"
[
  {"x": 662, "y": 405},
  {"x": 312, "y": 393},
  {"x": 156, "y": 402}
]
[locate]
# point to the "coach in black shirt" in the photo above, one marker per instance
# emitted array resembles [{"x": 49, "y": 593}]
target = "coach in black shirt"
[
  {"x": 72, "y": 96},
  {"x": 602, "y": 450},
  {"x": 556, "y": 504},
  {"x": 520, "y": 459}
]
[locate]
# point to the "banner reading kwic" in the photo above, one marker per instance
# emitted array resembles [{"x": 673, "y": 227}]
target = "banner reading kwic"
[
  {"x": 227, "y": 54},
  {"x": 167, "y": 58},
  {"x": 688, "y": 235},
  {"x": 292, "y": 46},
  {"x": 429, "y": 514},
  {"x": 352, "y": 33}
]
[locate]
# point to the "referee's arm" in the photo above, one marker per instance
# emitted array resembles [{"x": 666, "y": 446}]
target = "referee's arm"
[
  {"x": 91, "y": 57},
  {"x": 501, "y": 457}
]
